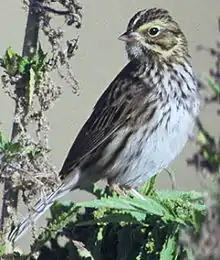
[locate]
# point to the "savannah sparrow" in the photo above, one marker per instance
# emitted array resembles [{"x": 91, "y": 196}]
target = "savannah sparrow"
[{"x": 142, "y": 120}]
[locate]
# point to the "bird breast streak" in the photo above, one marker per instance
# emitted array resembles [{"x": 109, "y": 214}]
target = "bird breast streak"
[{"x": 145, "y": 155}]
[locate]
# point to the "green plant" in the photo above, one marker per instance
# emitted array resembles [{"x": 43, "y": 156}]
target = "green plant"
[
  {"x": 113, "y": 227},
  {"x": 207, "y": 160}
]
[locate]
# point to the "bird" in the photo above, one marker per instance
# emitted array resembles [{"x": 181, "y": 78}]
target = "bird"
[{"x": 143, "y": 119}]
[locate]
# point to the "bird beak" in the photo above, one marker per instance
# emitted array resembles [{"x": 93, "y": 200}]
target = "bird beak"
[{"x": 130, "y": 37}]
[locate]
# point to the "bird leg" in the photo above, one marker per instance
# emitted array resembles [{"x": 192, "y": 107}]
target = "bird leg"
[{"x": 117, "y": 189}]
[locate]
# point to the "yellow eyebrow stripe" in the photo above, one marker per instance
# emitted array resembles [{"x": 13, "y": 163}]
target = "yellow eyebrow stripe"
[
  {"x": 143, "y": 27},
  {"x": 156, "y": 23}
]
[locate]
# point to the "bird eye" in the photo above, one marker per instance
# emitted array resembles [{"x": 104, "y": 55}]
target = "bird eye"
[{"x": 153, "y": 31}]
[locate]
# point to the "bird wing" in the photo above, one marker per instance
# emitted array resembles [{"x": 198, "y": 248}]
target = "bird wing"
[{"x": 114, "y": 108}]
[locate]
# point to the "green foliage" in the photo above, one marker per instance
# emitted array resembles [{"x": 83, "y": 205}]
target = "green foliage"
[
  {"x": 31, "y": 69},
  {"x": 214, "y": 85},
  {"x": 169, "y": 250},
  {"x": 9, "y": 149},
  {"x": 115, "y": 227},
  {"x": 2, "y": 249},
  {"x": 13, "y": 63}
]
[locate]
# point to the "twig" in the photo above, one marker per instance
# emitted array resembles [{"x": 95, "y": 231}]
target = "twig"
[{"x": 38, "y": 5}]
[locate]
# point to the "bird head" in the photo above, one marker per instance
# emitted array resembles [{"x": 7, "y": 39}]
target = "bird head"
[{"x": 154, "y": 32}]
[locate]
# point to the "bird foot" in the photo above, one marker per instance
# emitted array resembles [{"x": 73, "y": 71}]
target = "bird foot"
[
  {"x": 122, "y": 191},
  {"x": 136, "y": 194}
]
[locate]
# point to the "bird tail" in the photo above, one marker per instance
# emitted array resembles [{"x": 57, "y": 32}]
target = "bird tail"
[{"x": 40, "y": 207}]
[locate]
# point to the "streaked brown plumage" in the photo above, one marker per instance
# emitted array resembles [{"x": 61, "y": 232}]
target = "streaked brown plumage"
[{"x": 143, "y": 119}]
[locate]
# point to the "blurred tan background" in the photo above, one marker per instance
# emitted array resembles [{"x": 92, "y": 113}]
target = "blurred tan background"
[{"x": 100, "y": 57}]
